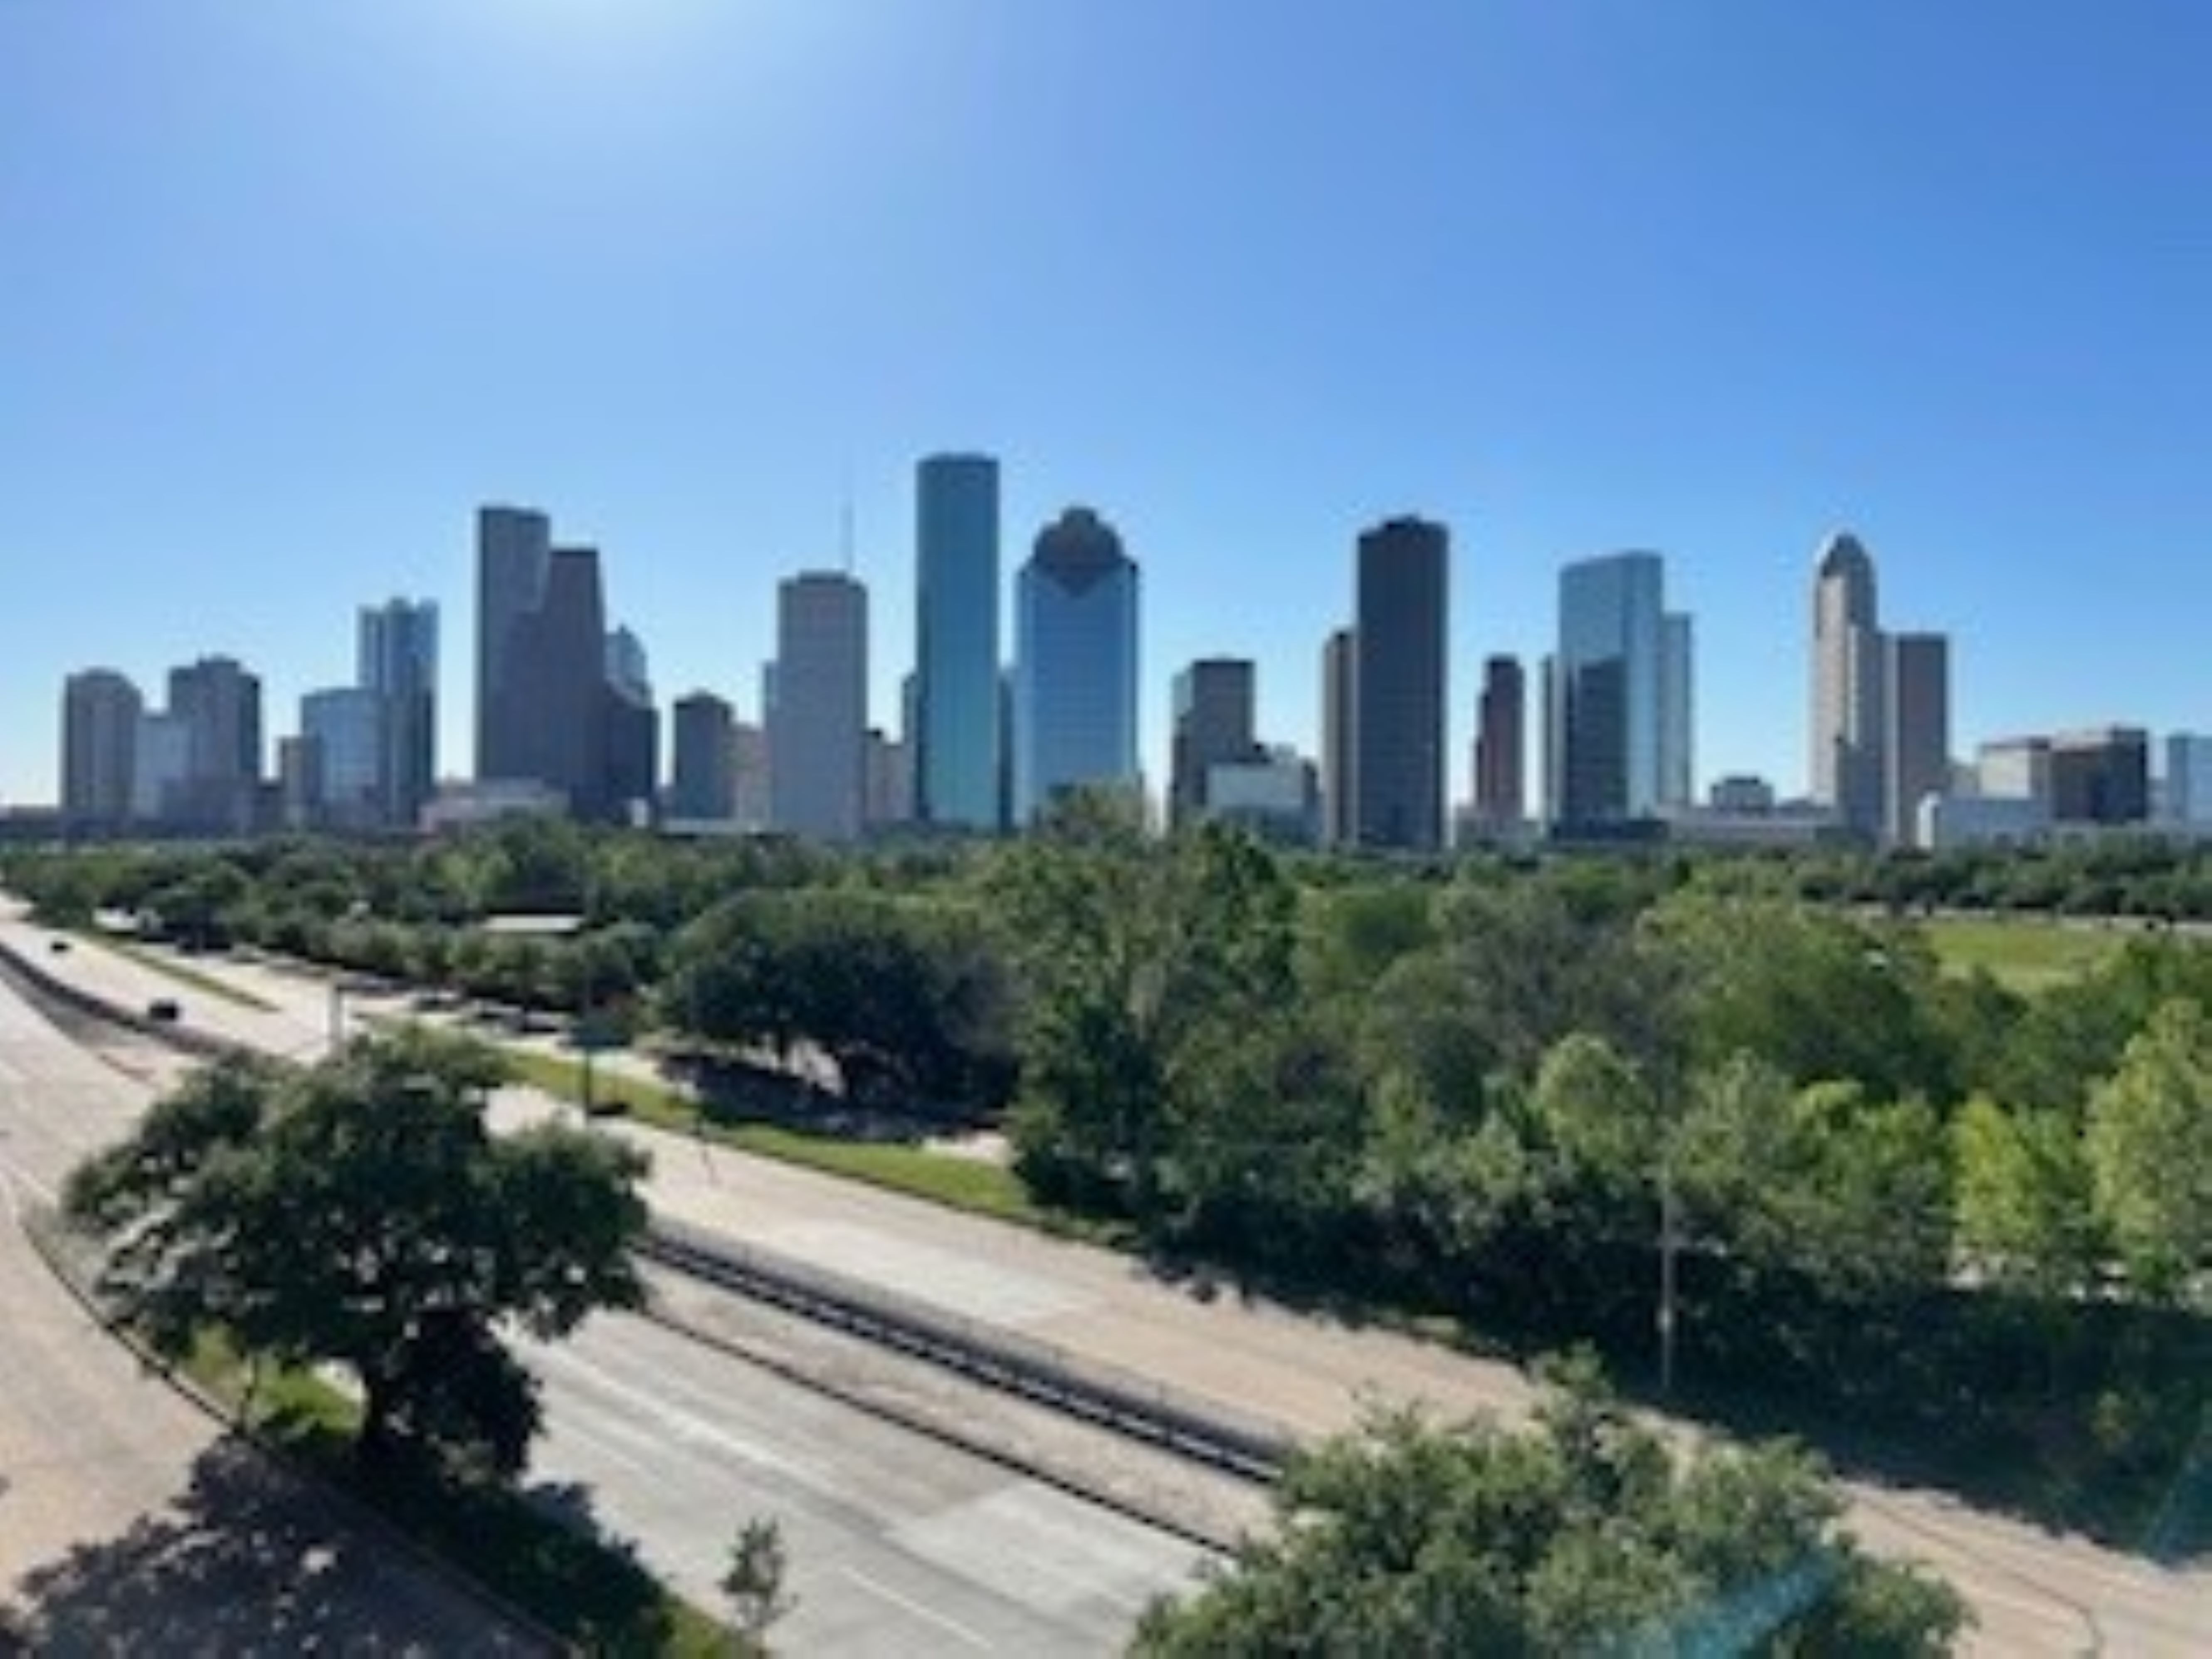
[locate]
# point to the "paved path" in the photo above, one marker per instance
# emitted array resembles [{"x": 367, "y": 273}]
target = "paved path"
[{"x": 2034, "y": 1592}]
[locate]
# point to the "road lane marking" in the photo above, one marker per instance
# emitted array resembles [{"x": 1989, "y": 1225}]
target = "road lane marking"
[{"x": 884, "y": 1592}]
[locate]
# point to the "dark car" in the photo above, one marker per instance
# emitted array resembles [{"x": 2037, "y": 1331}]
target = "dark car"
[{"x": 165, "y": 1010}]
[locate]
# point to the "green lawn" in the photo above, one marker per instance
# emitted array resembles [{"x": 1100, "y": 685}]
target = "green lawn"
[
  {"x": 162, "y": 962},
  {"x": 960, "y": 1183},
  {"x": 2026, "y": 955}
]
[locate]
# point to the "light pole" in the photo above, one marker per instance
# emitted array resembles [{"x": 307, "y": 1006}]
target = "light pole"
[
  {"x": 337, "y": 1014},
  {"x": 1669, "y": 1244}
]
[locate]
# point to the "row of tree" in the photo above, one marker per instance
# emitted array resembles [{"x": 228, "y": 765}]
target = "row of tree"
[{"x": 1515, "y": 1093}]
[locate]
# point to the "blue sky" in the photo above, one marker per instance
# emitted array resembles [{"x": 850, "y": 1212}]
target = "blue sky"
[{"x": 286, "y": 288}]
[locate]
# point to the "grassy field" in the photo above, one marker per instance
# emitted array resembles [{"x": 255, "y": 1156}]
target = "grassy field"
[
  {"x": 2026, "y": 955},
  {"x": 960, "y": 1183},
  {"x": 162, "y": 962}
]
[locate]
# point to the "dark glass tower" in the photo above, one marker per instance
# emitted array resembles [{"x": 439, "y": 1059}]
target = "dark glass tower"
[{"x": 1398, "y": 760}]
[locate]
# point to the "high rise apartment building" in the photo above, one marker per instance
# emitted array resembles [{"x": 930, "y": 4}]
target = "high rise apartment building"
[
  {"x": 554, "y": 678},
  {"x": 954, "y": 727},
  {"x": 100, "y": 713},
  {"x": 1398, "y": 720},
  {"x": 1075, "y": 664},
  {"x": 818, "y": 715},
  {"x": 219, "y": 704}
]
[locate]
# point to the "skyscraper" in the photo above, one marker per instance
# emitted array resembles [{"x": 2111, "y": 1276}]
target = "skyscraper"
[
  {"x": 955, "y": 730},
  {"x": 705, "y": 787},
  {"x": 1916, "y": 745},
  {"x": 554, "y": 679},
  {"x": 819, "y": 720},
  {"x": 343, "y": 746},
  {"x": 1398, "y": 753},
  {"x": 101, "y": 712},
  {"x": 631, "y": 776},
  {"x": 1678, "y": 710},
  {"x": 1214, "y": 701},
  {"x": 1339, "y": 707},
  {"x": 1608, "y": 722},
  {"x": 1848, "y": 767},
  {"x": 1501, "y": 790},
  {"x": 515, "y": 551},
  {"x": 220, "y": 705},
  {"x": 398, "y": 663},
  {"x": 1075, "y": 668}
]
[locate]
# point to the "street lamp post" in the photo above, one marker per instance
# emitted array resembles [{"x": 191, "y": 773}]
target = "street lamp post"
[{"x": 1669, "y": 1243}]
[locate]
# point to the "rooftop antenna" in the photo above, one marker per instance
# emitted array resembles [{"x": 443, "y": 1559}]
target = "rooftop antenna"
[{"x": 847, "y": 526}]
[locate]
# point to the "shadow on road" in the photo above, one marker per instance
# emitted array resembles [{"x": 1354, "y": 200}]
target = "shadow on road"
[{"x": 246, "y": 1561}]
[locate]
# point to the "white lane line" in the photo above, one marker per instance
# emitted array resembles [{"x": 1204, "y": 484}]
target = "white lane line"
[{"x": 929, "y": 1615}]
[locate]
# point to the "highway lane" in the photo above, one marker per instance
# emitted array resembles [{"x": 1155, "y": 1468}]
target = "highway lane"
[
  {"x": 130, "y": 1521},
  {"x": 899, "y": 1544},
  {"x": 2035, "y": 1592}
]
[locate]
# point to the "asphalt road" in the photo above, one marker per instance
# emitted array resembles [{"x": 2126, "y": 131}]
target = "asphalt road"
[
  {"x": 130, "y": 1521},
  {"x": 2034, "y": 1592},
  {"x": 900, "y": 1543}
]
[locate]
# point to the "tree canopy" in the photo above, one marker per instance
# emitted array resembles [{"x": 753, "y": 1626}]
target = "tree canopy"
[
  {"x": 360, "y": 1212},
  {"x": 1584, "y": 1533}
]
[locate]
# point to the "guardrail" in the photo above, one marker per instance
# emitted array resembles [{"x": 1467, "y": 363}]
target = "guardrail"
[{"x": 1042, "y": 1372}]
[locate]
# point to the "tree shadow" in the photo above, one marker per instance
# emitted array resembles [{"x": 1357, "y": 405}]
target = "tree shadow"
[{"x": 248, "y": 1559}]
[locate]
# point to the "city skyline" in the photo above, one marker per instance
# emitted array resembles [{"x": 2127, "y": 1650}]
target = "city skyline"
[{"x": 302, "y": 287}]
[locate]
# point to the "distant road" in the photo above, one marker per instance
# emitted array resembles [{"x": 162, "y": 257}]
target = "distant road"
[
  {"x": 129, "y": 1522},
  {"x": 2035, "y": 1592}
]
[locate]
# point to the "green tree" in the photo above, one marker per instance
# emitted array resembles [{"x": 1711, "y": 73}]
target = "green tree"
[
  {"x": 361, "y": 1213},
  {"x": 1142, "y": 963},
  {"x": 2150, "y": 1146},
  {"x": 1583, "y": 1533},
  {"x": 755, "y": 1582},
  {"x": 2025, "y": 1201}
]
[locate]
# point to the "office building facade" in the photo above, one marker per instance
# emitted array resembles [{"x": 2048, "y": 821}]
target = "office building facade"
[
  {"x": 1213, "y": 726},
  {"x": 1075, "y": 664},
  {"x": 1339, "y": 709},
  {"x": 1848, "y": 769},
  {"x": 1916, "y": 743},
  {"x": 954, "y": 727},
  {"x": 1398, "y": 756},
  {"x": 399, "y": 664},
  {"x": 514, "y": 556},
  {"x": 703, "y": 786},
  {"x": 219, "y": 704},
  {"x": 2100, "y": 776},
  {"x": 1608, "y": 722},
  {"x": 818, "y": 720},
  {"x": 1501, "y": 725}
]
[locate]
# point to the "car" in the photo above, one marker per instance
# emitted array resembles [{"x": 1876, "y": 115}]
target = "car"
[
  {"x": 164, "y": 1010},
  {"x": 59, "y": 946}
]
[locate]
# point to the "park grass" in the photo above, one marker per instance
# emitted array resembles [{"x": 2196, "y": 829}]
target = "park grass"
[
  {"x": 2028, "y": 955},
  {"x": 591, "y": 1593},
  {"x": 968, "y": 1184},
  {"x": 161, "y": 962}
]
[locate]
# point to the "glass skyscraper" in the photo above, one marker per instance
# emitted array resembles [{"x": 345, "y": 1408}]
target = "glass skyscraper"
[
  {"x": 1075, "y": 669},
  {"x": 514, "y": 550},
  {"x": 956, "y": 699},
  {"x": 1611, "y": 734},
  {"x": 818, "y": 714},
  {"x": 1398, "y": 686},
  {"x": 398, "y": 662}
]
